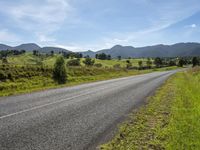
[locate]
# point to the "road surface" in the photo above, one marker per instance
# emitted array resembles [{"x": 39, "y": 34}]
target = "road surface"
[{"x": 73, "y": 118}]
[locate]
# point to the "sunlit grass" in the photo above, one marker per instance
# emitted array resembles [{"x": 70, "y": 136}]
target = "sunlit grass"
[{"x": 170, "y": 120}]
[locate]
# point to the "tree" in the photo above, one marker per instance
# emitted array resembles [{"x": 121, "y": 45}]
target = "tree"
[
  {"x": 103, "y": 56},
  {"x": 109, "y": 57},
  {"x": 88, "y": 61},
  {"x": 119, "y": 57},
  {"x": 4, "y": 60},
  {"x": 35, "y": 52},
  {"x": 59, "y": 71},
  {"x": 52, "y": 53},
  {"x": 158, "y": 62},
  {"x": 181, "y": 62},
  {"x": 140, "y": 63},
  {"x": 195, "y": 61},
  {"x": 129, "y": 64},
  {"x": 172, "y": 63},
  {"x": 149, "y": 63}
]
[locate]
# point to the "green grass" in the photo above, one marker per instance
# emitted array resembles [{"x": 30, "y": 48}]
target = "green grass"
[
  {"x": 170, "y": 120},
  {"x": 27, "y": 73},
  {"x": 40, "y": 80},
  {"x": 30, "y": 59},
  {"x": 76, "y": 76}
]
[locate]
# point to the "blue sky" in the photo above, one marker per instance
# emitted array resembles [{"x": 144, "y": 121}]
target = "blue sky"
[{"x": 96, "y": 24}]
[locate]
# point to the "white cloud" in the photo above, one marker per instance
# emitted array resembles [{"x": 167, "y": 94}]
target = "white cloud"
[
  {"x": 193, "y": 25},
  {"x": 38, "y": 17}
]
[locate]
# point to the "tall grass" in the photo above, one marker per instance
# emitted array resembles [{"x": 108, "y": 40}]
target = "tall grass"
[
  {"x": 184, "y": 125},
  {"x": 170, "y": 120}
]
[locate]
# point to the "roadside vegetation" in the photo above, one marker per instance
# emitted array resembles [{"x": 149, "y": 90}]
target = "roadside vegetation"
[
  {"x": 170, "y": 120},
  {"x": 22, "y": 72}
]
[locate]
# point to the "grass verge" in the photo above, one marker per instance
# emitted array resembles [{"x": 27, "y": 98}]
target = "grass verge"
[
  {"x": 75, "y": 76},
  {"x": 170, "y": 120}
]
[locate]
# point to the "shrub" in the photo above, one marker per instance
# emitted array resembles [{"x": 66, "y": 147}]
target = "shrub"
[
  {"x": 158, "y": 62},
  {"x": 74, "y": 62},
  {"x": 129, "y": 65},
  {"x": 195, "y": 61},
  {"x": 140, "y": 63},
  {"x": 149, "y": 63},
  {"x": 59, "y": 71},
  {"x": 181, "y": 62},
  {"x": 172, "y": 63},
  {"x": 89, "y": 62},
  {"x": 117, "y": 66},
  {"x": 3, "y": 75},
  {"x": 99, "y": 65}
]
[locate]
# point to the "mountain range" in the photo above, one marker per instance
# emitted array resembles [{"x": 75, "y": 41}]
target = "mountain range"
[
  {"x": 32, "y": 46},
  {"x": 179, "y": 49}
]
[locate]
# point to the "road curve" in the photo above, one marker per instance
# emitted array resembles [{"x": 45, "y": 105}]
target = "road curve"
[{"x": 73, "y": 118}]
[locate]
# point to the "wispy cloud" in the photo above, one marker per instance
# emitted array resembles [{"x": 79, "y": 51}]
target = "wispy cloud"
[
  {"x": 193, "y": 26},
  {"x": 42, "y": 18},
  {"x": 89, "y": 24}
]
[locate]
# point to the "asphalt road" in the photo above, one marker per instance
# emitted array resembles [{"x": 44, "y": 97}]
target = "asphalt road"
[{"x": 74, "y": 118}]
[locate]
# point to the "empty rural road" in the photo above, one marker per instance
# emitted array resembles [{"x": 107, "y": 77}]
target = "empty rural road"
[{"x": 72, "y": 118}]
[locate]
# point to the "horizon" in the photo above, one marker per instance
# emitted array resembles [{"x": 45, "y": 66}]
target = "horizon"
[
  {"x": 96, "y": 25},
  {"x": 105, "y": 48}
]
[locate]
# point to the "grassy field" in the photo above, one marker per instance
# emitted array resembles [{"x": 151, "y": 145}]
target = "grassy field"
[
  {"x": 26, "y": 73},
  {"x": 75, "y": 76},
  {"x": 170, "y": 120},
  {"x": 30, "y": 59}
]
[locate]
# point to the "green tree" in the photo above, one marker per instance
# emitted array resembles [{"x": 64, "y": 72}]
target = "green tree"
[
  {"x": 59, "y": 71},
  {"x": 149, "y": 63},
  {"x": 181, "y": 62},
  {"x": 129, "y": 64},
  {"x": 158, "y": 62},
  {"x": 172, "y": 63},
  {"x": 140, "y": 63},
  {"x": 195, "y": 61},
  {"x": 52, "y": 53},
  {"x": 88, "y": 61},
  {"x": 4, "y": 60},
  {"x": 119, "y": 57}
]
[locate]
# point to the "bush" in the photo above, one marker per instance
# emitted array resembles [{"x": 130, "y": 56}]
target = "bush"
[
  {"x": 158, "y": 62},
  {"x": 74, "y": 62},
  {"x": 88, "y": 61},
  {"x": 172, "y": 63},
  {"x": 59, "y": 71},
  {"x": 99, "y": 65},
  {"x": 140, "y": 63},
  {"x": 181, "y": 62},
  {"x": 117, "y": 66},
  {"x": 195, "y": 61},
  {"x": 3, "y": 75}
]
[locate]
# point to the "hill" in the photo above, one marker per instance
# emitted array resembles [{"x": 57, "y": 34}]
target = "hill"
[
  {"x": 32, "y": 46},
  {"x": 55, "y": 49},
  {"x": 179, "y": 49}
]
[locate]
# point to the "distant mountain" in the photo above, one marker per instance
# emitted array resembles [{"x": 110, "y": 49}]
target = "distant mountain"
[
  {"x": 27, "y": 47},
  {"x": 32, "y": 46},
  {"x": 179, "y": 49},
  {"x": 4, "y": 47},
  {"x": 55, "y": 49},
  {"x": 88, "y": 53}
]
